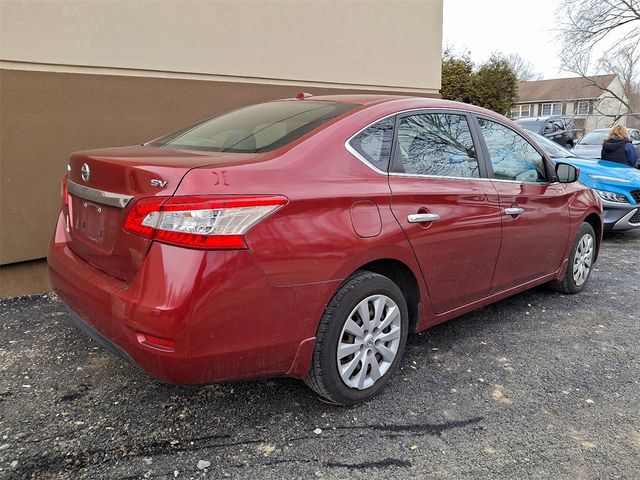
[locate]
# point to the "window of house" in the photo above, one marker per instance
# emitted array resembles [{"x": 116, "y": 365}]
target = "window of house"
[
  {"x": 512, "y": 157},
  {"x": 552, "y": 108},
  {"x": 436, "y": 144},
  {"x": 582, "y": 108},
  {"x": 521, "y": 111}
]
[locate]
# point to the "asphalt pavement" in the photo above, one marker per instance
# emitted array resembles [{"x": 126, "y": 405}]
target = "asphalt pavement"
[{"x": 540, "y": 385}]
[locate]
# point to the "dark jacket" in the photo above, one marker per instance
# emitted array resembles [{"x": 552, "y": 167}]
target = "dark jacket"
[{"x": 618, "y": 150}]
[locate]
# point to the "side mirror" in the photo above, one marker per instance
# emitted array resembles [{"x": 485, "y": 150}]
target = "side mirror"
[{"x": 566, "y": 173}]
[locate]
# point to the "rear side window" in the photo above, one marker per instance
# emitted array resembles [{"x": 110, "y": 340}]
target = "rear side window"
[
  {"x": 374, "y": 143},
  {"x": 438, "y": 144},
  {"x": 257, "y": 128}
]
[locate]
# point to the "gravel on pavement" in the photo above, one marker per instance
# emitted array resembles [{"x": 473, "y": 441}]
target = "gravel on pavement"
[{"x": 539, "y": 385}]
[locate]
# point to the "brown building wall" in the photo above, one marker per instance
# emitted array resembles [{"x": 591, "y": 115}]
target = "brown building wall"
[{"x": 44, "y": 116}]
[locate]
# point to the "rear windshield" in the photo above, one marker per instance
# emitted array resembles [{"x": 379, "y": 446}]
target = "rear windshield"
[
  {"x": 593, "y": 138},
  {"x": 531, "y": 126},
  {"x": 257, "y": 128}
]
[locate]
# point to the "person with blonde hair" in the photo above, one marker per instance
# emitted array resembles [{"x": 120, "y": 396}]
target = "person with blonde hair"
[{"x": 618, "y": 148}]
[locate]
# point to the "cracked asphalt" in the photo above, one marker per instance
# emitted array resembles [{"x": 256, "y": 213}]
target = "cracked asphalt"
[{"x": 540, "y": 385}]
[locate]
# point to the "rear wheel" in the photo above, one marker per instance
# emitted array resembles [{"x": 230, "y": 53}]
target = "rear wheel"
[
  {"x": 580, "y": 261},
  {"x": 360, "y": 340}
]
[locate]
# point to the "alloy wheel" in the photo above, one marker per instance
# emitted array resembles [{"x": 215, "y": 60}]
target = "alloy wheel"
[
  {"x": 369, "y": 341},
  {"x": 583, "y": 259}
]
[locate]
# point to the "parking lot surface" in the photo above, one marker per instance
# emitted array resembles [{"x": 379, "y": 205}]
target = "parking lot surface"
[{"x": 540, "y": 385}]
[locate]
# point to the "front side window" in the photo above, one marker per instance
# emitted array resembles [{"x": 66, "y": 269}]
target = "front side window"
[
  {"x": 512, "y": 157},
  {"x": 257, "y": 128},
  {"x": 374, "y": 143},
  {"x": 437, "y": 144}
]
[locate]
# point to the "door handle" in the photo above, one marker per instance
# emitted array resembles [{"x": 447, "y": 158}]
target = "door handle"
[
  {"x": 513, "y": 211},
  {"x": 423, "y": 217}
]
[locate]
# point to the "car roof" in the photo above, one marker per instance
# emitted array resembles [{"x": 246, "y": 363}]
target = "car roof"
[{"x": 402, "y": 101}]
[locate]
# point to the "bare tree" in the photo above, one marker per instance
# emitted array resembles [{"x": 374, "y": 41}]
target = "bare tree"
[
  {"x": 523, "y": 69},
  {"x": 611, "y": 27}
]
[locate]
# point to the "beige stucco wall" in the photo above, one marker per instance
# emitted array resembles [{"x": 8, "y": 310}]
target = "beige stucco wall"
[
  {"x": 365, "y": 43},
  {"x": 95, "y": 73}
]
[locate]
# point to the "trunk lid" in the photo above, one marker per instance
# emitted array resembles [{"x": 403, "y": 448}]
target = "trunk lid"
[{"x": 104, "y": 184}]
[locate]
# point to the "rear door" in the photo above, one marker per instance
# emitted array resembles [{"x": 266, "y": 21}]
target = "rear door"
[
  {"x": 450, "y": 213},
  {"x": 534, "y": 210}
]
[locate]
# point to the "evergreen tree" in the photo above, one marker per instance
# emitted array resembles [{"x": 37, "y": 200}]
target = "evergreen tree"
[
  {"x": 493, "y": 85},
  {"x": 457, "y": 77}
]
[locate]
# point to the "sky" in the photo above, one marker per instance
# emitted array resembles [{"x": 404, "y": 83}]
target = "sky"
[{"x": 524, "y": 27}]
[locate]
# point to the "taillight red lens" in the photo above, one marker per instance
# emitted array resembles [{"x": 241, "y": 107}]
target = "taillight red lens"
[{"x": 200, "y": 222}]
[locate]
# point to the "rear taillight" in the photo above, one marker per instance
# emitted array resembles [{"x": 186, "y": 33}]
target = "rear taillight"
[
  {"x": 200, "y": 222},
  {"x": 64, "y": 194}
]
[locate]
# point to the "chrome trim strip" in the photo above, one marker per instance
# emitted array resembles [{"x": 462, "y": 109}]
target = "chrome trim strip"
[
  {"x": 98, "y": 196},
  {"x": 444, "y": 177},
  {"x": 353, "y": 151},
  {"x": 624, "y": 223},
  {"x": 519, "y": 181}
]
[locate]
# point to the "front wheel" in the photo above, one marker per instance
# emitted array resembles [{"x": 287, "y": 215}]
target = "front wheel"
[
  {"x": 580, "y": 261},
  {"x": 360, "y": 339}
]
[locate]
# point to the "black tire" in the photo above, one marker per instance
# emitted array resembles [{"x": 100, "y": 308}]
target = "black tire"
[
  {"x": 324, "y": 376},
  {"x": 568, "y": 284}
]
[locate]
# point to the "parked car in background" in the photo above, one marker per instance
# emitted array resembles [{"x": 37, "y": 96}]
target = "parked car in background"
[
  {"x": 308, "y": 237},
  {"x": 590, "y": 146},
  {"x": 617, "y": 185},
  {"x": 559, "y": 128}
]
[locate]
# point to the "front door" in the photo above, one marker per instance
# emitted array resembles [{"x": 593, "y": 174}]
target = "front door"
[
  {"x": 534, "y": 211},
  {"x": 450, "y": 214}
]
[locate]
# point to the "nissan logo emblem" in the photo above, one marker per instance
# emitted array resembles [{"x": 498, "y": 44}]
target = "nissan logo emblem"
[{"x": 85, "y": 172}]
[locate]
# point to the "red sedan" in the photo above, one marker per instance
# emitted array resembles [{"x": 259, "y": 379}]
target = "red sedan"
[{"x": 308, "y": 237}]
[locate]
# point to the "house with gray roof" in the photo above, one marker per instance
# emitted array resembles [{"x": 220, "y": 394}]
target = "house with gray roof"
[{"x": 590, "y": 101}]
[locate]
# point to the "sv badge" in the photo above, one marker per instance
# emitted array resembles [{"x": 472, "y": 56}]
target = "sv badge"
[{"x": 157, "y": 183}]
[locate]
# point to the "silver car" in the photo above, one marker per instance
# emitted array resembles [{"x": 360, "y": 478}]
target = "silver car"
[{"x": 590, "y": 146}]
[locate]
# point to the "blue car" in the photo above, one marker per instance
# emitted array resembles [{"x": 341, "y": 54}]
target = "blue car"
[{"x": 617, "y": 185}]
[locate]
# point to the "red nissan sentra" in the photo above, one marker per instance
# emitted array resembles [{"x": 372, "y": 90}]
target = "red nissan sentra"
[{"x": 308, "y": 237}]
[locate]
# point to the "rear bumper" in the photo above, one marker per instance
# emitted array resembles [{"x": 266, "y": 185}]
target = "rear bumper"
[
  {"x": 224, "y": 319},
  {"x": 94, "y": 335}
]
